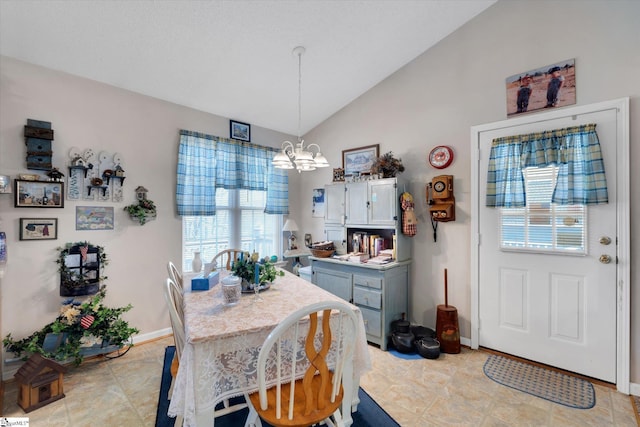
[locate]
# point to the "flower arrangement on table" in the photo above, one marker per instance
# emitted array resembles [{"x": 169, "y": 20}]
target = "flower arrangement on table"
[
  {"x": 253, "y": 269},
  {"x": 81, "y": 324}
]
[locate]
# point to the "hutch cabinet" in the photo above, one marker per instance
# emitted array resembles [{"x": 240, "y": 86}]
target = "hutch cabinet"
[{"x": 380, "y": 291}]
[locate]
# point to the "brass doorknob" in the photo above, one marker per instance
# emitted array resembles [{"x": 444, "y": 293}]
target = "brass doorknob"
[{"x": 605, "y": 259}]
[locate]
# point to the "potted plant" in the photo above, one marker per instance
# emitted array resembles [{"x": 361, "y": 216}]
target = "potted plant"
[
  {"x": 143, "y": 211},
  {"x": 245, "y": 268},
  {"x": 388, "y": 165}
]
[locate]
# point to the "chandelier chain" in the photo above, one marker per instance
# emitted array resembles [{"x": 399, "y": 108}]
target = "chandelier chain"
[{"x": 299, "y": 93}]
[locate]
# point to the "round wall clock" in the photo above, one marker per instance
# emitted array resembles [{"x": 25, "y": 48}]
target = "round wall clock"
[{"x": 441, "y": 156}]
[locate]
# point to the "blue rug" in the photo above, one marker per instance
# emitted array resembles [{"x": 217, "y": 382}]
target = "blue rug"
[
  {"x": 406, "y": 356},
  {"x": 369, "y": 414},
  {"x": 547, "y": 384}
]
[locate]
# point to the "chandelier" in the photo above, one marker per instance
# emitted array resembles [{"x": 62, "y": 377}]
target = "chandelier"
[{"x": 297, "y": 155}]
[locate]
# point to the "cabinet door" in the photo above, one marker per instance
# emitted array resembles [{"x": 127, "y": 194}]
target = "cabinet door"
[
  {"x": 338, "y": 235},
  {"x": 336, "y": 282},
  {"x": 334, "y": 204},
  {"x": 356, "y": 202},
  {"x": 383, "y": 202}
]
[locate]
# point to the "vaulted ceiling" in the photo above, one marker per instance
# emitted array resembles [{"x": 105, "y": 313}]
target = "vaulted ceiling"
[{"x": 233, "y": 58}]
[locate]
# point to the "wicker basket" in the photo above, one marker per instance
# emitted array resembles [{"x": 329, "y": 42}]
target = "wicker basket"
[{"x": 322, "y": 253}]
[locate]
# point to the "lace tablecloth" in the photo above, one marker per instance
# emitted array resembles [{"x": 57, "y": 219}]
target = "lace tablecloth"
[{"x": 222, "y": 344}]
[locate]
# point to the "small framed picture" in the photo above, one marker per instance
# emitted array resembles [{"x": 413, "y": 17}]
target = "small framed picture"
[
  {"x": 94, "y": 218},
  {"x": 318, "y": 203},
  {"x": 38, "y": 194},
  {"x": 358, "y": 160},
  {"x": 307, "y": 240},
  {"x": 239, "y": 130},
  {"x": 38, "y": 228},
  {"x": 338, "y": 175}
]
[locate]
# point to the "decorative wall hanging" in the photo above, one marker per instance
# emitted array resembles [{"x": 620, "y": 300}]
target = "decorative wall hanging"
[
  {"x": 544, "y": 87},
  {"x": 94, "y": 218},
  {"x": 239, "y": 130},
  {"x": 38, "y": 194},
  {"x": 38, "y": 228},
  {"x": 38, "y": 136},
  {"x": 79, "y": 265},
  {"x": 143, "y": 211},
  {"x": 338, "y": 175},
  {"x": 95, "y": 177},
  {"x": 360, "y": 159}
]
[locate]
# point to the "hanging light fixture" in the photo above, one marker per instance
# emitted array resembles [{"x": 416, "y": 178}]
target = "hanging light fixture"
[{"x": 297, "y": 155}]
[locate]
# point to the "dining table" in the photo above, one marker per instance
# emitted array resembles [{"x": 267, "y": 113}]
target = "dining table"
[{"x": 222, "y": 343}]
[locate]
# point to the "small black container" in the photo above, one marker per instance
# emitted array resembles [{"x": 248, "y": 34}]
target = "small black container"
[
  {"x": 428, "y": 348},
  {"x": 403, "y": 341}
]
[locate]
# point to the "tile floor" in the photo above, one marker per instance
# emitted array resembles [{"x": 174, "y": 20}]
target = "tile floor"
[{"x": 451, "y": 390}]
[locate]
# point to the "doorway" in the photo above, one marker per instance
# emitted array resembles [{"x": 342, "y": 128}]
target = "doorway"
[{"x": 571, "y": 312}]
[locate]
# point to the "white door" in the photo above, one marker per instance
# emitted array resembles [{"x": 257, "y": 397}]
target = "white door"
[
  {"x": 356, "y": 203},
  {"x": 555, "y": 309}
]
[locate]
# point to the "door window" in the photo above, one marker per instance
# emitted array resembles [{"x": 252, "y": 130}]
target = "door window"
[{"x": 542, "y": 226}]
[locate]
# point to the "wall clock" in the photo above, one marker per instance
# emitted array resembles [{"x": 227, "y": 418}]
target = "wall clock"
[{"x": 441, "y": 156}]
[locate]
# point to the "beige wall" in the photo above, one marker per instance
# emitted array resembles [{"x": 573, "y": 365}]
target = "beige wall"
[
  {"x": 87, "y": 114},
  {"x": 433, "y": 100},
  {"x": 459, "y": 83}
]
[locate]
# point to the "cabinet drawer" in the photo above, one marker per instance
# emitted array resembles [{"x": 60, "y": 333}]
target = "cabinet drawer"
[
  {"x": 372, "y": 322},
  {"x": 367, "y": 297},
  {"x": 370, "y": 282}
]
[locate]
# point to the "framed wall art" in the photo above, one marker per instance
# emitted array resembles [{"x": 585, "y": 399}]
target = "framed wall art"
[
  {"x": 38, "y": 228},
  {"x": 38, "y": 194},
  {"x": 94, "y": 218},
  {"x": 239, "y": 130},
  {"x": 545, "y": 87},
  {"x": 359, "y": 160}
]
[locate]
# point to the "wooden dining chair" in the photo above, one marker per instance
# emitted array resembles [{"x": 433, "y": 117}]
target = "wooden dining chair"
[
  {"x": 174, "y": 297},
  {"x": 174, "y": 274},
  {"x": 302, "y": 391},
  {"x": 225, "y": 258}
]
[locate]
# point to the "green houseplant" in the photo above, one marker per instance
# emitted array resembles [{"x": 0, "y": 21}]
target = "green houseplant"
[
  {"x": 245, "y": 268},
  {"x": 143, "y": 211}
]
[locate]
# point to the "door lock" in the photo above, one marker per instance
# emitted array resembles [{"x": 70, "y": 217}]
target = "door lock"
[
  {"x": 605, "y": 259},
  {"x": 604, "y": 240}
]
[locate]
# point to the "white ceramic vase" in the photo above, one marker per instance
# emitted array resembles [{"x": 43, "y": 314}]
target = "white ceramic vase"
[{"x": 196, "y": 263}]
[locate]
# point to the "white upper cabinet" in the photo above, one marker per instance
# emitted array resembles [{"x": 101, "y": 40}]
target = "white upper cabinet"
[{"x": 334, "y": 195}]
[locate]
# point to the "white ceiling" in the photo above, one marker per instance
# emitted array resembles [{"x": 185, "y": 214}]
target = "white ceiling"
[{"x": 233, "y": 58}]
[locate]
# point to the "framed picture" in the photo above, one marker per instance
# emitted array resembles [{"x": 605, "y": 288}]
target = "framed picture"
[
  {"x": 318, "y": 203},
  {"x": 545, "y": 87},
  {"x": 38, "y": 228},
  {"x": 307, "y": 240},
  {"x": 239, "y": 130},
  {"x": 94, "y": 218},
  {"x": 338, "y": 175},
  {"x": 38, "y": 194},
  {"x": 359, "y": 159}
]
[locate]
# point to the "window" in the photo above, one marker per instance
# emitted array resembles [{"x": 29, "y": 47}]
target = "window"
[
  {"x": 543, "y": 226},
  {"x": 239, "y": 223}
]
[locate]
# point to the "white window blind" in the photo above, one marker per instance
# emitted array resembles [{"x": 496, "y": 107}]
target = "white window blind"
[
  {"x": 542, "y": 226},
  {"x": 239, "y": 223}
]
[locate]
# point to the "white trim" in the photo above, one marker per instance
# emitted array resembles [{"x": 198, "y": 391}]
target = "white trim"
[
  {"x": 623, "y": 268},
  {"x": 634, "y": 389}
]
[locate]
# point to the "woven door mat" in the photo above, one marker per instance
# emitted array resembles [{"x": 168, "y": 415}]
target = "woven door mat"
[{"x": 544, "y": 383}]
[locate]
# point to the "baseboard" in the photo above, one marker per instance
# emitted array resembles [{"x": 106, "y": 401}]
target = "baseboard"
[
  {"x": 11, "y": 367},
  {"x": 634, "y": 389}
]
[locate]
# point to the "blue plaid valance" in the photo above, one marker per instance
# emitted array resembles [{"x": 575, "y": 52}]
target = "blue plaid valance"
[
  {"x": 207, "y": 162},
  {"x": 576, "y": 152}
]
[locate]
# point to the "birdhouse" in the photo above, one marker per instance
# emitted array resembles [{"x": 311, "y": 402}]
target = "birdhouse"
[
  {"x": 141, "y": 193},
  {"x": 39, "y": 382}
]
